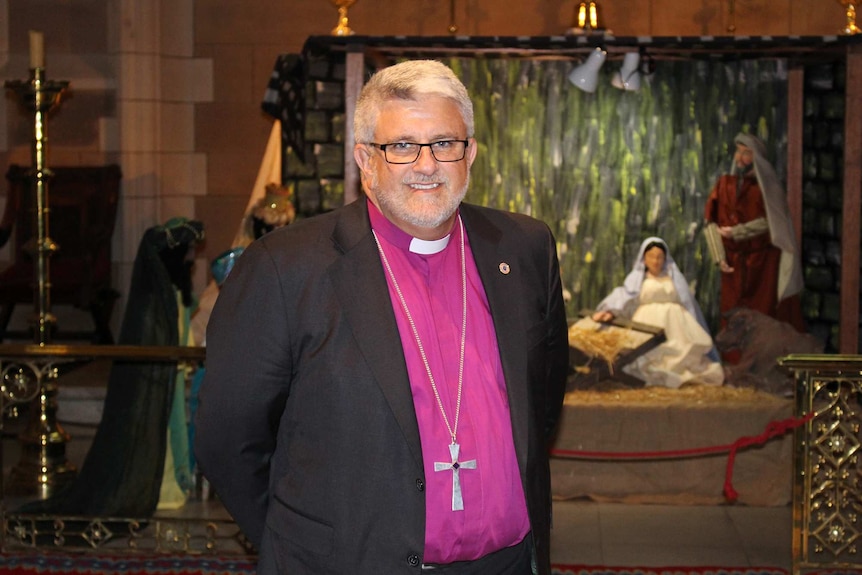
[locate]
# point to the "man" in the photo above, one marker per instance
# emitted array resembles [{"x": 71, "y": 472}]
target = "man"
[
  {"x": 383, "y": 380},
  {"x": 751, "y": 237}
]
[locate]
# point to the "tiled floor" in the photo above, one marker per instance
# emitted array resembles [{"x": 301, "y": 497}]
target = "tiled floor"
[{"x": 589, "y": 533}]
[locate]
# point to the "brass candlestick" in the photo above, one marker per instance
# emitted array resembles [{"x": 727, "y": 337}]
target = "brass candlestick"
[
  {"x": 586, "y": 18},
  {"x": 43, "y": 465},
  {"x": 40, "y": 95},
  {"x": 343, "y": 28},
  {"x": 850, "y": 27}
]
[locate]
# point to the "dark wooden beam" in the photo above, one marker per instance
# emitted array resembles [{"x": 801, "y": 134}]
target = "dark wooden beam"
[
  {"x": 795, "y": 103},
  {"x": 849, "y": 324}
]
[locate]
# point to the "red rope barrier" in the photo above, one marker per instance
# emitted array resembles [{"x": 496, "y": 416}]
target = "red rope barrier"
[{"x": 773, "y": 429}]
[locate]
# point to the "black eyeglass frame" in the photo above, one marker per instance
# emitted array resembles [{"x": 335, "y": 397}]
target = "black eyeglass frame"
[{"x": 429, "y": 145}]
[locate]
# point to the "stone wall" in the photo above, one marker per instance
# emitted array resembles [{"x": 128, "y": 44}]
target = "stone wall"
[
  {"x": 823, "y": 149},
  {"x": 318, "y": 176}
]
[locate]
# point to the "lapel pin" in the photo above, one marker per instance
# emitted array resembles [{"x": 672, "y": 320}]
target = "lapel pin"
[{"x": 504, "y": 268}]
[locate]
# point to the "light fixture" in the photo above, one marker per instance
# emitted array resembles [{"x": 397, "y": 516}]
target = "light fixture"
[
  {"x": 628, "y": 77},
  {"x": 588, "y": 16},
  {"x": 586, "y": 75}
]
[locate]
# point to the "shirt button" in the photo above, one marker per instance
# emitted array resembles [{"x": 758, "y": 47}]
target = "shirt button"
[
  {"x": 413, "y": 560},
  {"x": 420, "y": 485}
]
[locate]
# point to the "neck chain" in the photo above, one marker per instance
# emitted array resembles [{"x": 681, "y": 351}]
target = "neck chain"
[{"x": 452, "y": 428}]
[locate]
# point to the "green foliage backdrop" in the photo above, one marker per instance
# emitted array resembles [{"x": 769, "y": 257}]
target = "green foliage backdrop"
[{"x": 608, "y": 169}]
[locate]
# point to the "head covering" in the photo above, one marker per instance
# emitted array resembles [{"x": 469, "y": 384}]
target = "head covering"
[
  {"x": 781, "y": 231},
  {"x": 177, "y": 232},
  {"x": 631, "y": 288},
  {"x": 172, "y": 242}
]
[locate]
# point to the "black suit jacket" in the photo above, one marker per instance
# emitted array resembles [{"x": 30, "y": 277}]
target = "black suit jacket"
[{"x": 306, "y": 427}]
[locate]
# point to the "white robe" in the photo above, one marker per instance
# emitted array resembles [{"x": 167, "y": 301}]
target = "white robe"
[
  {"x": 683, "y": 357},
  {"x": 688, "y": 353}
]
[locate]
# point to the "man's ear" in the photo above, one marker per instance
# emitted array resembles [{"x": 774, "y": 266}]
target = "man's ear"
[
  {"x": 472, "y": 148},
  {"x": 362, "y": 155}
]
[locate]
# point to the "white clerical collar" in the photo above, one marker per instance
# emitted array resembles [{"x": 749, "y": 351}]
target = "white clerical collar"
[{"x": 429, "y": 247}]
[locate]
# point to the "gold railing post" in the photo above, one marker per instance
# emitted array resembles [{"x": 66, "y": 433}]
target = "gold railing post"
[{"x": 827, "y": 490}]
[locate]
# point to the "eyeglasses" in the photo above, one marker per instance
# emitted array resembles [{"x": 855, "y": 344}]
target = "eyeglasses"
[{"x": 408, "y": 152}]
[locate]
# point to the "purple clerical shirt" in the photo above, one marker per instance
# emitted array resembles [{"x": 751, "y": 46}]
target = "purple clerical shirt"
[{"x": 495, "y": 512}]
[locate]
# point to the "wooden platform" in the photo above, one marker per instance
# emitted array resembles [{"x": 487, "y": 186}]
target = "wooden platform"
[{"x": 661, "y": 420}]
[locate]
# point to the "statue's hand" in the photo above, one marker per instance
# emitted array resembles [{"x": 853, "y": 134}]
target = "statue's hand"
[{"x": 603, "y": 316}]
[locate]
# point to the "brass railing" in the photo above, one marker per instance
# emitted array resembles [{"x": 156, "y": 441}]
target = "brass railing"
[
  {"x": 827, "y": 502},
  {"x": 29, "y": 374}
]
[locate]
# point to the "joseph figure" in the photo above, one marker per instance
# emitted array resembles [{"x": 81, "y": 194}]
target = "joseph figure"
[{"x": 751, "y": 237}]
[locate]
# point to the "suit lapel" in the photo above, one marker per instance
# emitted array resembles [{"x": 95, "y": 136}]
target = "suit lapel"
[
  {"x": 490, "y": 252},
  {"x": 361, "y": 286}
]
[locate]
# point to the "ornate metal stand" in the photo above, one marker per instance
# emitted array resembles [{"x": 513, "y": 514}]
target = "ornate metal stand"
[
  {"x": 827, "y": 501},
  {"x": 193, "y": 530},
  {"x": 43, "y": 466}
]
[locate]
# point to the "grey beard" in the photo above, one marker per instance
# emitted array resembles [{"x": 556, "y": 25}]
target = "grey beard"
[
  {"x": 743, "y": 171},
  {"x": 423, "y": 220}
]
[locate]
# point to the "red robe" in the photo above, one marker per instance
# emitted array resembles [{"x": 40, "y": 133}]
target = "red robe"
[{"x": 754, "y": 281}]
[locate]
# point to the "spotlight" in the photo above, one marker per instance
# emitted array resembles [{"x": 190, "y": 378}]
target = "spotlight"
[
  {"x": 586, "y": 75},
  {"x": 628, "y": 78}
]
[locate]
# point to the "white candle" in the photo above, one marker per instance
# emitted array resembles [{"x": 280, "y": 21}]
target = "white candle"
[{"x": 37, "y": 49}]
